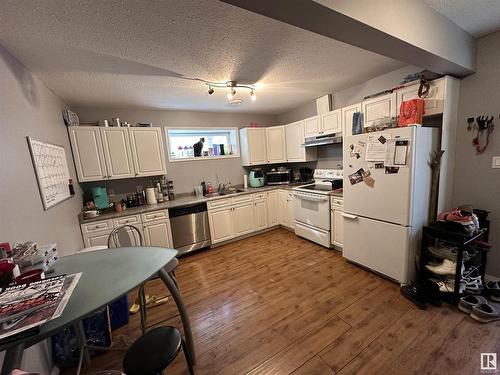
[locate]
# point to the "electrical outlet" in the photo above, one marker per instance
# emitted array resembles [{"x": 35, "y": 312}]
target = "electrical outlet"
[{"x": 495, "y": 162}]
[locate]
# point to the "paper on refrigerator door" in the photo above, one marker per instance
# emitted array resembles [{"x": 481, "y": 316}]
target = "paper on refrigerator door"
[
  {"x": 376, "y": 148},
  {"x": 397, "y": 152}
]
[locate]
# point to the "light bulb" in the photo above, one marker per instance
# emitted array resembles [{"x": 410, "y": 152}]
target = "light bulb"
[
  {"x": 231, "y": 93},
  {"x": 253, "y": 96}
]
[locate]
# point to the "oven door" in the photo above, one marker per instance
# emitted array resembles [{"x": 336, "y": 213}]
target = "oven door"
[{"x": 312, "y": 209}]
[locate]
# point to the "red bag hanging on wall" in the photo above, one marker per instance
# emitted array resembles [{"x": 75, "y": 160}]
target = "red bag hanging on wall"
[{"x": 411, "y": 112}]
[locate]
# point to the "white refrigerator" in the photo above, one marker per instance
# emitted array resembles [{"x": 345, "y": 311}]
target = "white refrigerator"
[{"x": 387, "y": 184}]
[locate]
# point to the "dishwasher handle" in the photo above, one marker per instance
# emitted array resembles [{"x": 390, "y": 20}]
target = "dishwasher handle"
[{"x": 187, "y": 210}]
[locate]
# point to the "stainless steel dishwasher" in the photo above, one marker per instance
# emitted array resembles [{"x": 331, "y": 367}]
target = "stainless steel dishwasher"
[{"x": 190, "y": 230}]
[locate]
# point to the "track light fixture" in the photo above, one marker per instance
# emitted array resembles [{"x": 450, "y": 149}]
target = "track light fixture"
[{"x": 231, "y": 85}]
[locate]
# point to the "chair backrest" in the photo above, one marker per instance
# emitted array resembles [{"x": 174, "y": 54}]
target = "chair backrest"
[{"x": 125, "y": 236}]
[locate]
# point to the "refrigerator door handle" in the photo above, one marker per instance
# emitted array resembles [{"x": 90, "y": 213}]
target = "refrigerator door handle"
[{"x": 349, "y": 216}]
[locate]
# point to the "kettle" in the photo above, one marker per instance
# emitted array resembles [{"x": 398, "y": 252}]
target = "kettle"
[{"x": 256, "y": 178}]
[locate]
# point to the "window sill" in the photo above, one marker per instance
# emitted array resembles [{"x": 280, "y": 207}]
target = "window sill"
[{"x": 200, "y": 158}]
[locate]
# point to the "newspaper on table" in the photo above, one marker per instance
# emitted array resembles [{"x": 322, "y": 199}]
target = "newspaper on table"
[{"x": 26, "y": 306}]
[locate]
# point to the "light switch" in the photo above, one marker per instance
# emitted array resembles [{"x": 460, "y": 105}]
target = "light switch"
[{"x": 495, "y": 162}]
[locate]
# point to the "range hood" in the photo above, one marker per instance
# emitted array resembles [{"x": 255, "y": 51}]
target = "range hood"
[{"x": 320, "y": 140}]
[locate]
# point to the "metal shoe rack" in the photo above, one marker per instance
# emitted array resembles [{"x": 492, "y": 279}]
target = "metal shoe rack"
[{"x": 463, "y": 242}]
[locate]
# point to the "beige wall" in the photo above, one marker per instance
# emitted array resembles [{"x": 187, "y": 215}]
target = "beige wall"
[
  {"x": 475, "y": 181},
  {"x": 184, "y": 174},
  {"x": 28, "y": 108}
]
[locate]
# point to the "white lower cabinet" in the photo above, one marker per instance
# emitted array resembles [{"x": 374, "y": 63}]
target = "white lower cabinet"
[
  {"x": 282, "y": 208},
  {"x": 260, "y": 214},
  {"x": 272, "y": 208},
  {"x": 96, "y": 239},
  {"x": 337, "y": 222},
  {"x": 157, "y": 233},
  {"x": 221, "y": 225},
  {"x": 243, "y": 219},
  {"x": 290, "y": 215}
]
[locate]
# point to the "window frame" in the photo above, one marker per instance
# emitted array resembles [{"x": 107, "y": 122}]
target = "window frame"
[{"x": 201, "y": 129}]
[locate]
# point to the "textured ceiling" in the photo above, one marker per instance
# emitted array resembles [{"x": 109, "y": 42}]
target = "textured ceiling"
[
  {"x": 477, "y": 17},
  {"x": 146, "y": 53}
]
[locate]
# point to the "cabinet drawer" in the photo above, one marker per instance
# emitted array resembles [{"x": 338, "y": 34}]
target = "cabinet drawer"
[
  {"x": 127, "y": 220},
  {"x": 219, "y": 203},
  {"x": 243, "y": 199},
  {"x": 259, "y": 196},
  {"x": 97, "y": 226},
  {"x": 154, "y": 215}
]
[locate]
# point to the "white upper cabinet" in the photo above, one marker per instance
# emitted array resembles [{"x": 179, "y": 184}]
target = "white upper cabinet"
[
  {"x": 88, "y": 153},
  {"x": 253, "y": 146},
  {"x": 117, "y": 153},
  {"x": 331, "y": 122},
  {"x": 312, "y": 126},
  {"x": 434, "y": 101},
  {"x": 347, "y": 114},
  {"x": 294, "y": 137},
  {"x": 275, "y": 141},
  {"x": 379, "y": 107},
  {"x": 147, "y": 151}
]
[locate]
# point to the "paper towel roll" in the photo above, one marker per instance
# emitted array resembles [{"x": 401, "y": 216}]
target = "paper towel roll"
[
  {"x": 245, "y": 181},
  {"x": 150, "y": 196}
]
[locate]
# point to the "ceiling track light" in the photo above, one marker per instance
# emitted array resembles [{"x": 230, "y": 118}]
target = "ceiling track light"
[{"x": 232, "y": 85}]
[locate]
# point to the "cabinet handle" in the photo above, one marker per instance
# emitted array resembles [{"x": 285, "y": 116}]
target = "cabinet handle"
[{"x": 137, "y": 174}]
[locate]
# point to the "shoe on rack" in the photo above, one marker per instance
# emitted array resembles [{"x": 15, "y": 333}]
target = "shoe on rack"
[
  {"x": 444, "y": 252},
  {"x": 493, "y": 290},
  {"x": 456, "y": 216},
  {"x": 448, "y": 267},
  {"x": 485, "y": 312},
  {"x": 447, "y": 285},
  {"x": 468, "y": 302}
]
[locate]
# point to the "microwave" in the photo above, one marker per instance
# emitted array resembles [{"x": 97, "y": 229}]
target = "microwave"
[{"x": 279, "y": 177}]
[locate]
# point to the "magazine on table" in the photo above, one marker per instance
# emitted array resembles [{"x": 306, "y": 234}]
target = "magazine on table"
[{"x": 27, "y": 306}]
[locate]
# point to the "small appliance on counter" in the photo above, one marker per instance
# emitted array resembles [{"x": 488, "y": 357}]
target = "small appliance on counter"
[
  {"x": 279, "y": 176},
  {"x": 100, "y": 196},
  {"x": 256, "y": 178}
]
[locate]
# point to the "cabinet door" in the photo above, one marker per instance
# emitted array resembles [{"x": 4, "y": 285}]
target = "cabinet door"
[
  {"x": 220, "y": 221},
  {"x": 290, "y": 210},
  {"x": 331, "y": 122},
  {"x": 275, "y": 140},
  {"x": 253, "y": 146},
  {"x": 147, "y": 151},
  {"x": 294, "y": 137},
  {"x": 88, "y": 153},
  {"x": 157, "y": 234},
  {"x": 116, "y": 145},
  {"x": 337, "y": 228},
  {"x": 96, "y": 239},
  {"x": 346, "y": 114},
  {"x": 434, "y": 101},
  {"x": 272, "y": 208},
  {"x": 312, "y": 126},
  {"x": 282, "y": 207},
  {"x": 377, "y": 108},
  {"x": 260, "y": 214},
  {"x": 243, "y": 219}
]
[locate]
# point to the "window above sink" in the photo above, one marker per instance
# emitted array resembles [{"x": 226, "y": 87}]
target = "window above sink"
[{"x": 219, "y": 143}]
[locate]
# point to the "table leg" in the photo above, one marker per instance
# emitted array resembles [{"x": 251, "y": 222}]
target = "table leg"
[
  {"x": 12, "y": 359},
  {"x": 82, "y": 341},
  {"x": 169, "y": 283}
]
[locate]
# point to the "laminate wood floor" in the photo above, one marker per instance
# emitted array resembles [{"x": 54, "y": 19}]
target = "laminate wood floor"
[{"x": 278, "y": 304}]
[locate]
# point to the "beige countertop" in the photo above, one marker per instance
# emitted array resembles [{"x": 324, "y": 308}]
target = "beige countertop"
[{"x": 185, "y": 200}]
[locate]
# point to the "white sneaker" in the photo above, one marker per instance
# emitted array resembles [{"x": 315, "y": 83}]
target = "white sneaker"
[{"x": 448, "y": 267}]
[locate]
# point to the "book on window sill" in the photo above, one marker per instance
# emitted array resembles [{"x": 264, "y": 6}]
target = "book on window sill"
[{"x": 26, "y": 306}]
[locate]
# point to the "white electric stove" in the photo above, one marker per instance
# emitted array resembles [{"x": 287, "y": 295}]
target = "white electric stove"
[{"x": 312, "y": 205}]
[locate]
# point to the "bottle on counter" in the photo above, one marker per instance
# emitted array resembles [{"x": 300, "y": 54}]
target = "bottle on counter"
[{"x": 160, "y": 193}]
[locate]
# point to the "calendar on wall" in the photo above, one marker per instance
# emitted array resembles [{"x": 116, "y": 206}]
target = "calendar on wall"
[{"x": 52, "y": 173}]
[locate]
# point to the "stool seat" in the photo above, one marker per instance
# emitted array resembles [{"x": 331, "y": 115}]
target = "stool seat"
[{"x": 151, "y": 353}]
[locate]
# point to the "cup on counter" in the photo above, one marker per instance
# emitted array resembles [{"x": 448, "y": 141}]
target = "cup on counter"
[{"x": 198, "y": 191}]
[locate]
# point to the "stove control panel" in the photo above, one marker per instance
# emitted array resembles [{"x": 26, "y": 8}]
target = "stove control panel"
[{"x": 330, "y": 174}]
